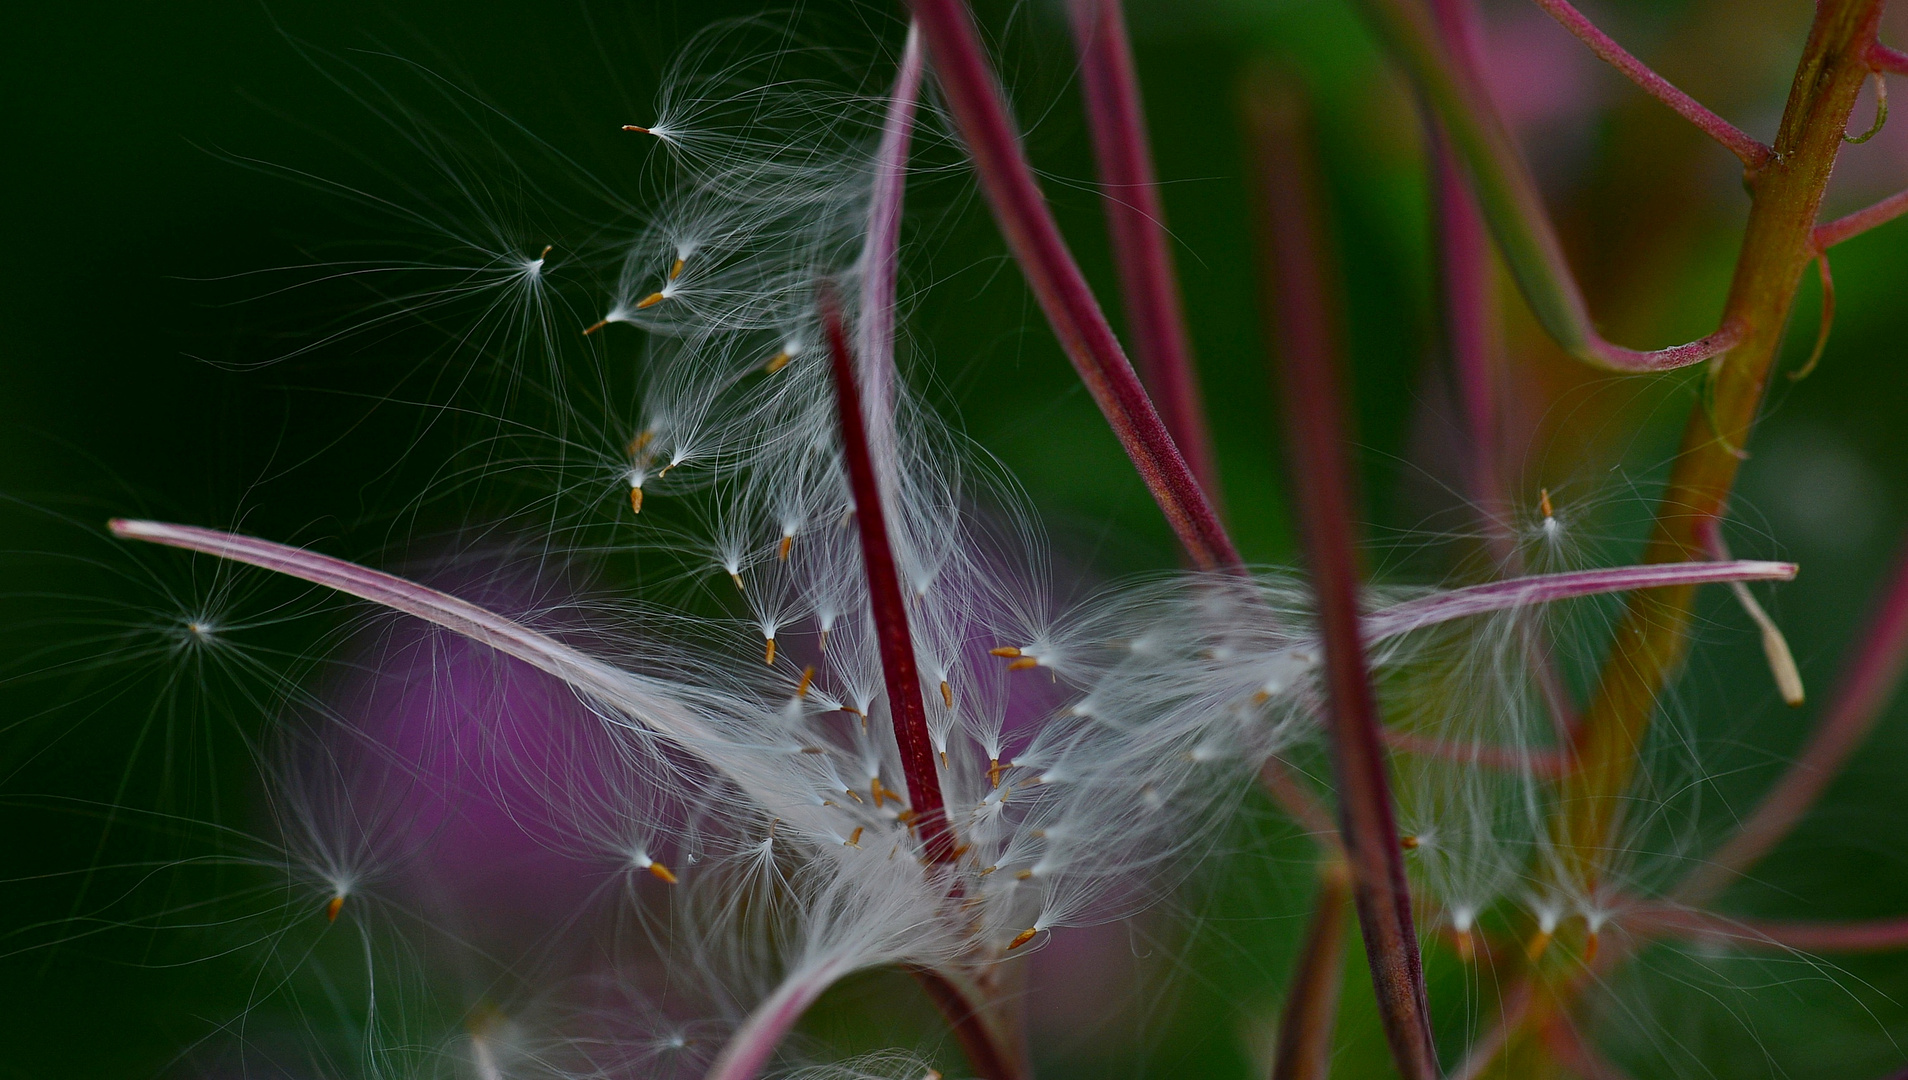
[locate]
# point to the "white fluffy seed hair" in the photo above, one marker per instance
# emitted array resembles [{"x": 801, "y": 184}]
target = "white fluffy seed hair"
[{"x": 1084, "y": 751}]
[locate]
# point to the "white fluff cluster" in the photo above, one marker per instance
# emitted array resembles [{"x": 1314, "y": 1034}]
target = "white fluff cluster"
[{"x": 748, "y": 766}]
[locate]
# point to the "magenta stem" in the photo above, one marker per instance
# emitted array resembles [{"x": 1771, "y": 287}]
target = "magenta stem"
[
  {"x": 1753, "y": 154},
  {"x": 1866, "y": 687},
  {"x": 880, "y": 253},
  {"x": 1859, "y": 936},
  {"x": 973, "y": 99},
  {"x": 755, "y": 1041},
  {"x": 1532, "y": 762},
  {"x": 1493, "y": 596},
  {"x": 1883, "y": 58},
  {"x": 903, "y": 681},
  {"x": 639, "y": 697},
  {"x": 1468, "y": 279},
  {"x": 1306, "y": 1023},
  {"x": 1831, "y": 233},
  {"x": 1136, "y": 222},
  {"x": 1508, "y": 197},
  {"x": 1568, "y": 1047},
  {"x": 1470, "y": 312},
  {"x": 1302, "y": 313}
]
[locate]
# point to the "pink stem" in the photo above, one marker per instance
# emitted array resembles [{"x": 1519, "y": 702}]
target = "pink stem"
[
  {"x": 1471, "y": 325},
  {"x": 1831, "y": 233},
  {"x": 1883, "y": 58},
  {"x": 1861, "y": 936},
  {"x": 1304, "y": 1049},
  {"x": 1470, "y": 312},
  {"x": 890, "y": 610},
  {"x": 1753, "y": 153},
  {"x": 1534, "y": 762},
  {"x": 1296, "y": 268},
  {"x": 1495, "y": 596},
  {"x": 1867, "y": 685},
  {"x": 880, "y": 262},
  {"x": 637, "y": 695},
  {"x": 755, "y": 1041},
  {"x": 1135, "y": 220},
  {"x": 973, "y": 98},
  {"x": 1569, "y": 1048}
]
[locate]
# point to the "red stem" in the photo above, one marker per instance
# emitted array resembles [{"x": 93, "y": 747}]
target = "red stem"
[
  {"x": 1135, "y": 220},
  {"x": 973, "y": 99},
  {"x": 1568, "y": 1047},
  {"x": 1535, "y": 762},
  {"x": 1866, "y": 687},
  {"x": 1295, "y": 270},
  {"x": 1860, "y": 936},
  {"x": 1468, "y": 278},
  {"x": 1831, "y": 233},
  {"x": 986, "y": 1050},
  {"x": 903, "y": 682},
  {"x": 1754, "y": 154},
  {"x": 1304, "y": 1049},
  {"x": 1883, "y": 58}
]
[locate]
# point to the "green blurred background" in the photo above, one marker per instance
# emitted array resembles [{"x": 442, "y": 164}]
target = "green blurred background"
[{"x": 155, "y": 187}]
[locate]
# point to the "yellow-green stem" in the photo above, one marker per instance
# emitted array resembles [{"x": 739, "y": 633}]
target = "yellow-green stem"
[{"x": 1776, "y": 249}]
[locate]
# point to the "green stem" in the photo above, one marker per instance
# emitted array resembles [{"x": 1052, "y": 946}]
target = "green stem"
[
  {"x": 1507, "y": 194},
  {"x": 1777, "y": 247}
]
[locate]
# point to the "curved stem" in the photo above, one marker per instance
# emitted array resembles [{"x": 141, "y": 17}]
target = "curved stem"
[
  {"x": 992, "y": 1053},
  {"x": 1831, "y": 233},
  {"x": 973, "y": 98},
  {"x": 755, "y": 1041},
  {"x": 640, "y": 697},
  {"x": 1754, "y": 155},
  {"x": 880, "y": 263},
  {"x": 1508, "y": 196},
  {"x": 1136, "y": 223},
  {"x": 1777, "y": 247}
]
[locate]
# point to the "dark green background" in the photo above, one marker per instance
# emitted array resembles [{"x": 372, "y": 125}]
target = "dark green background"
[{"x": 131, "y": 383}]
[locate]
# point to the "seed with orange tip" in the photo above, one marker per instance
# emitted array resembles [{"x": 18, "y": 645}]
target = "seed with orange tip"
[
  {"x": 994, "y": 770},
  {"x": 808, "y": 678},
  {"x": 1023, "y": 664},
  {"x": 854, "y": 838},
  {"x": 640, "y": 441},
  {"x": 595, "y": 326},
  {"x": 769, "y": 651},
  {"x": 1537, "y": 946},
  {"x": 736, "y": 577},
  {"x": 636, "y": 127},
  {"x": 635, "y": 500},
  {"x": 1543, "y": 502},
  {"x": 1466, "y": 947},
  {"x": 662, "y": 872},
  {"x": 777, "y": 362},
  {"x": 675, "y": 270},
  {"x": 1590, "y": 948},
  {"x": 1006, "y": 652},
  {"x": 1022, "y": 875},
  {"x": 333, "y": 906},
  {"x": 650, "y": 301},
  {"x": 947, "y": 693},
  {"x": 1409, "y": 843},
  {"x": 788, "y": 541},
  {"x": 1021, "y": 938}
]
